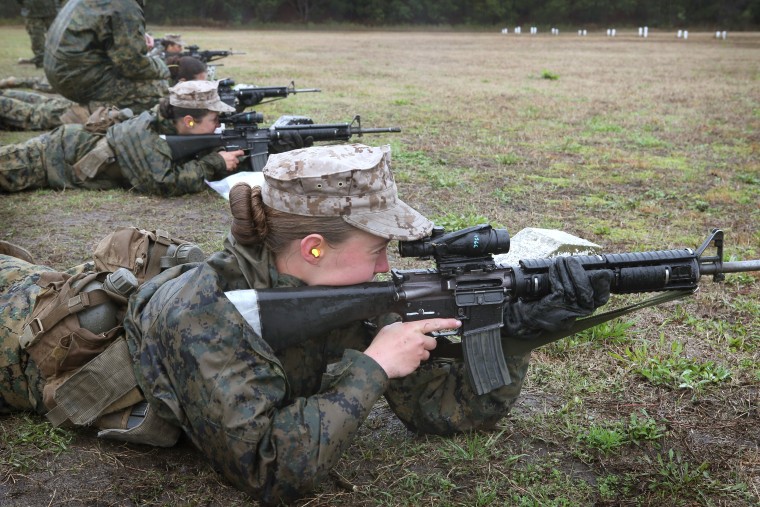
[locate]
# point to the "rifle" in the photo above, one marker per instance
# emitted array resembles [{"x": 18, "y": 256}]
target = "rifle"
[
  {"x": 246, "y": 135},
  {"x": 208, "y": 55},
  {"x": 248, "y": 96},
  {"x": 469, "y": 285}
]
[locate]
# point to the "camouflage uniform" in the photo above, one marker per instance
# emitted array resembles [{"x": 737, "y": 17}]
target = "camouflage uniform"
[
  {"x": 274, "y": 425},
  {"x": 38, "y": 15},
  {"x": 159, "y": 49},
  {"x": 31, "y": 111},
  {"x": 20, "y": 381},
  {"x": 95, "y": 54},
  {"x": 34, "y": 82},
  {"x": 142, "y": 160}
]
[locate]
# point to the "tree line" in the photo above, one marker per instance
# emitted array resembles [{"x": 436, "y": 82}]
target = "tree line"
[
  {"x": 708, "y": 14},
  {"x": 726, "y": 14}
]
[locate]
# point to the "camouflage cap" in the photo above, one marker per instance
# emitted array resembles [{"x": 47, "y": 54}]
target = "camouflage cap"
[
  {"x": 198, "y": 95},
  {"x": 173, "y": 38},
  {"x": 353, "y": 181}
]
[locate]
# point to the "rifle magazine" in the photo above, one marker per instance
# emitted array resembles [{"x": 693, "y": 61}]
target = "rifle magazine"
[{"x": 484, "y": 359}]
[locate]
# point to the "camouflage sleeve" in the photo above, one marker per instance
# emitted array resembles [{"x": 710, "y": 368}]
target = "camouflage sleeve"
[
  {"x": 129, "y": 50},
  {"x": 437, "y": 398},
  {"x": 197, "y": 358},
  {"x": 146, "y": 161}
]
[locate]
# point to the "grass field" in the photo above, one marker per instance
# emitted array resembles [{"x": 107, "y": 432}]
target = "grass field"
[{"x": 634, "y": 144}]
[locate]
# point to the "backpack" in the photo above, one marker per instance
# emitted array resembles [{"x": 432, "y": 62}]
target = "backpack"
[{"x": 76, "y": 338}]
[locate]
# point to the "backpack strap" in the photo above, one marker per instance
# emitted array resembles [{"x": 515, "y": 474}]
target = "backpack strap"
[
  {"x": 162, "y": 241},
  {"x": 67, "y": 302}
]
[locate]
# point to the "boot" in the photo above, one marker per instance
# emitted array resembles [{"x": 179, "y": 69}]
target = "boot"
[{"x": 7, "y": 248}]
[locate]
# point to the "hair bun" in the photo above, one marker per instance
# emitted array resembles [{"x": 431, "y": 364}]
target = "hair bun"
[{"x": 249, "y": 225}]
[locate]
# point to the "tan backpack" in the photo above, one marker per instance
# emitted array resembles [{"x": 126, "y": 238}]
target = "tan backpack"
[
  {"x": 144, "y": 253},
  {"x": 76, "y": 339}
]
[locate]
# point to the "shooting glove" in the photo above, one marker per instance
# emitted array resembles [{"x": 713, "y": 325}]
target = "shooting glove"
[
  {"x": 289, "y": 140},
  {"x": 575, "y": 293}
]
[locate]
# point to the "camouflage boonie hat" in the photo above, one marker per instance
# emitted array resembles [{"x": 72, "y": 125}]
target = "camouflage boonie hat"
[
  {"x": 173, "y": 38},
  {"x": 353, "y": 181},
  {"x": 198, "y": 95}
]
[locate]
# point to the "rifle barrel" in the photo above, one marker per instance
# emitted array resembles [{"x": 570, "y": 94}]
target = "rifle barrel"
[
  {"x": 376, "y": 130},
  {"x": 729, "y": 267}
]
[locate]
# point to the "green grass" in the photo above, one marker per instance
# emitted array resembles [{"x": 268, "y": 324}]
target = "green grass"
[
  {"x": 26, "y": 445},
  {"x": 673, "y": 370}
]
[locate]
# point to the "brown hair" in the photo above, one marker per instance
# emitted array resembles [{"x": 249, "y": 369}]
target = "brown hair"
[
  {"x": 184, "y": 67},
  {"x": 253, "y": 222}
]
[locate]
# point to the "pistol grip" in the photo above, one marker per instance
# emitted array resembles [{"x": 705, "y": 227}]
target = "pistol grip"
[{"x": 484, "y": 359}]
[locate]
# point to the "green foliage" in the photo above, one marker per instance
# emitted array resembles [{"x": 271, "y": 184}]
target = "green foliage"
[
  {"x": 643, "y": 428},
  {"x": 607, "y": 438},
  {"x": 455, "y": 221},
  {"x": 475, "y": 447},
  {"x": 551, "y": 76},
  {"x": 23, "y": 448},
  {"x": 451, "y": 12},
  {"x": 674, "y": 476},
  {"x": 612, "y": 331},
  {"x": 673, "y": 370},
  {"x": 603, "y": 439}
]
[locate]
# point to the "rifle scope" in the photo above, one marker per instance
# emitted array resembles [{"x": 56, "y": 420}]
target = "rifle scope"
[
  {"x": 245, "y": 118},
  {"x": 226, "y": 91},
  {"x": 476, "y": 241}
]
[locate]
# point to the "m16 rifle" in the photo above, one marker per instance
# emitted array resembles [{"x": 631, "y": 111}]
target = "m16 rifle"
[
  {"x": 469, "y": 285},
  {"x": 208, "y": 55},
  {"x": 243, "y": 96},
  {"x": 242, "y": 132}
]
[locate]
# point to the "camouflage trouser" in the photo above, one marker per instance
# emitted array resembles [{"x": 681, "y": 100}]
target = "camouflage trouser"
[
  {"x": 20, "y": 381},
  {"x": 34, "y": 82},
  {"x": 138, "y": 96},
  {"x": 31, "y": 111},
  {"x": 37, "y": 28},
  {"x": 22, "y": 165}
]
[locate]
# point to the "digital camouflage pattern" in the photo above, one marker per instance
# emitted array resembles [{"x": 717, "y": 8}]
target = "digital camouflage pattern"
[
  {"x": 20, "y": 381},
  {"x": 34, "y": 82},
  {"x": 31, "y": 111},
  {"x": 146, "y": 160},
  {"x": 95, "y": 54},
  {"x": 274, "y": 425},
  {"x": 38, "y": 16},
  {"x": 353, "y": 181},
  {"x": 142, "y": 160}
]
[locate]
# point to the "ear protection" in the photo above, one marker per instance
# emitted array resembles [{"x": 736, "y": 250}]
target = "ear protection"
[
  {"x": 315, "y": 252},
  {"x": 191, "y": 123}
]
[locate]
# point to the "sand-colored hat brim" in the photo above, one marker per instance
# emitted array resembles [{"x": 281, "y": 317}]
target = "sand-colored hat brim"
[{"x": 401, "y": 222}]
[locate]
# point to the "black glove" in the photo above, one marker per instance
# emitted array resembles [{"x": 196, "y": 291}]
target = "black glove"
[
  {"x": 289, "y": 140},
  {"x": 575, "y": 293}
]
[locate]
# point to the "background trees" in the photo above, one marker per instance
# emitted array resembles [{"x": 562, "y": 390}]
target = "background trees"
[{"x": 709, "y": 14}]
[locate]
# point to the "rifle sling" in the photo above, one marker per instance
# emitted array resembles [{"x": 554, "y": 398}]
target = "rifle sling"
[{"x": 514, "y": 346}]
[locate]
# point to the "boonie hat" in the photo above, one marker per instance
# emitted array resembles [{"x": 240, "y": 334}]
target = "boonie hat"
[
  {"x": 198, "y": 95},
  {"x": 353, "y": 181}
]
